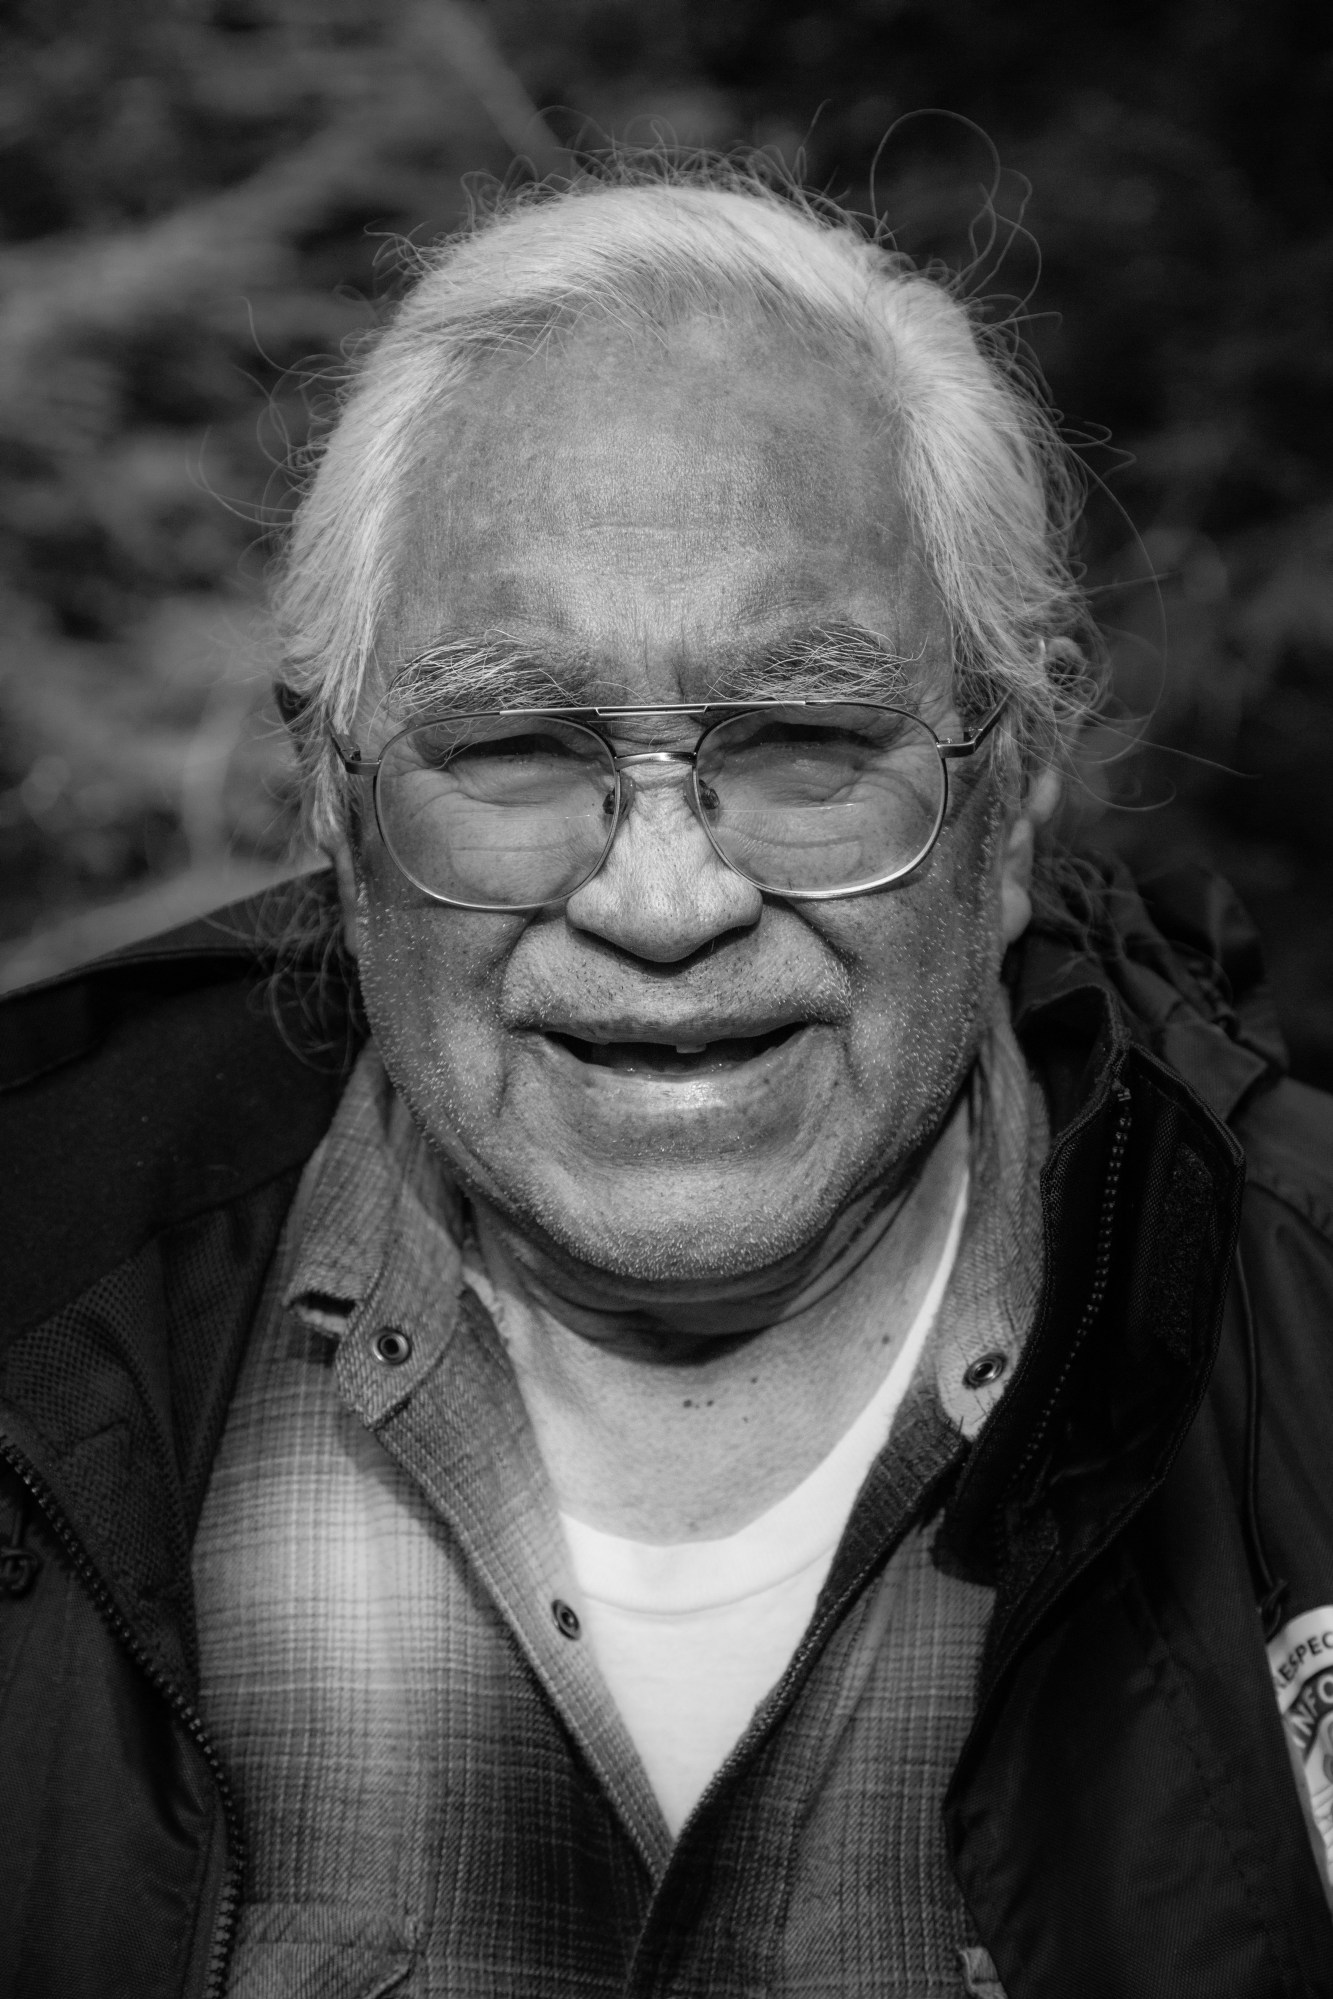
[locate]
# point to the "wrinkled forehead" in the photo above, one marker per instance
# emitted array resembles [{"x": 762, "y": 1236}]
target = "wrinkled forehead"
[{"x": 647, "y": 514}]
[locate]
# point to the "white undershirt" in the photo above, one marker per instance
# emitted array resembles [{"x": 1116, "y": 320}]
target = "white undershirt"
[{"x": 690, "y": 1636}]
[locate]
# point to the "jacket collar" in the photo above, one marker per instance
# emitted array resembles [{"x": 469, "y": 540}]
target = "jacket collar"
[{"x": 1180, "y": 958}]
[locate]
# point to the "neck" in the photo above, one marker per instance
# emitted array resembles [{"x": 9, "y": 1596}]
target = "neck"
[{"x": 687, "y": 1419}]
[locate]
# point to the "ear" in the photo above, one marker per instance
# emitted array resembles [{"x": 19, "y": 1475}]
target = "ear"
[
  {"x": 344, "y": 867},
  {"x": 1040, "y": 801}
]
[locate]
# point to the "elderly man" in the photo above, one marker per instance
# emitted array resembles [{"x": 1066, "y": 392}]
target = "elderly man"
[{"x": 722, "y": 1450}]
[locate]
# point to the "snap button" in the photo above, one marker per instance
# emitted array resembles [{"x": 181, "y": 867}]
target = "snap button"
[
  {"x": 981, "y": 1373},
  {"x": 391, "y": 1346},
  {"x": 566, "y": 1618}
]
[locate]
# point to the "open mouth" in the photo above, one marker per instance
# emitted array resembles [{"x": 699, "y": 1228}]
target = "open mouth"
[{"x": 685, "y": 1058}]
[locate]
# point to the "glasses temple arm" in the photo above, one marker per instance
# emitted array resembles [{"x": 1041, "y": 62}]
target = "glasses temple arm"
[
  {"x": 965, "y": 746},
  {"x": 291, "y": 706},
  {"x": 351, "y": 759}
]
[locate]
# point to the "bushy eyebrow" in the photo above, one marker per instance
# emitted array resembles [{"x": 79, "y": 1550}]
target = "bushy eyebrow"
[
  {"x": 489, "y": 671},
  {"x": 840, "y": 661}
]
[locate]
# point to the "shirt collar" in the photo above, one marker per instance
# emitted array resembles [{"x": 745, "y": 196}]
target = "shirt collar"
[
  {"x": 379, "y": 1228},
  {"x": 990, "y": 1305},
  {"x": 373, "y": 1184}
]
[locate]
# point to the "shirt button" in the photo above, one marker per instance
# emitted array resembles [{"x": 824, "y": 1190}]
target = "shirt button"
[
  {"x": 566, "y": 1618},
  {"x": 391, "y": 1346},
  {"x": 981, "y": 1373}
]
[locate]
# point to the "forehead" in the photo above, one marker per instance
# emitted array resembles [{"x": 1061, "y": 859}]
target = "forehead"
[{"x": 640, "y": 508}]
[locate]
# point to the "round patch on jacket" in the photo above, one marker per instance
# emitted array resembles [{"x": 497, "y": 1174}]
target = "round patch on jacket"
[{"x": 1301, "y": 1661}]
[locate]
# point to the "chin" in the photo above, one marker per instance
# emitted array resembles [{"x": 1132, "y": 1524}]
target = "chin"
[{"x": 674, "y": 1237}]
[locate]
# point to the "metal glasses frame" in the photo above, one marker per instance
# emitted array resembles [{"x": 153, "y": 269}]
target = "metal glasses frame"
[{"x": 948, "y": 749}]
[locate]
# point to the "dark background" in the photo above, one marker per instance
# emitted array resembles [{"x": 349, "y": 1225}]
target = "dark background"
[{"x": 199, "y": 200}]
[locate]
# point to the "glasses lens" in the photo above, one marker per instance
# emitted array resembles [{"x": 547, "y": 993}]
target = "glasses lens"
[
  {"x": 504, "y": 812},
  {"x": 821, "y": 798}
]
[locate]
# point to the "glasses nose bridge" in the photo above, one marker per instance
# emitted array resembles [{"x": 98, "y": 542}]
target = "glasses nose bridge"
[
  {"x": 690, "y": 757},
  {"x": 626, "y": 777}
]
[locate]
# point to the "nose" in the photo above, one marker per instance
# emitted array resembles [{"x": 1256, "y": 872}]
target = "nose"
[{"x": 663, "y": 892}]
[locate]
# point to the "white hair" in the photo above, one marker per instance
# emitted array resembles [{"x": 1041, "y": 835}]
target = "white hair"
[{"x": 989, "y": 487}]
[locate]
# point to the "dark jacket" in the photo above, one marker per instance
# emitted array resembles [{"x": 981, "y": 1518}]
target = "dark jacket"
[{"x": 1153, "y": 1488}]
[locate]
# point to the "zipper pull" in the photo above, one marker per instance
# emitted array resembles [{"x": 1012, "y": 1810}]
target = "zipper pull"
[
  {"x": 1124, "y": 1118},
  {"x": 19, "y": 1566}
]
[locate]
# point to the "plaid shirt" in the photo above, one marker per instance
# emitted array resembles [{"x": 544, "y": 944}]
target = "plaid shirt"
[{"x": 439, "y": 1794}]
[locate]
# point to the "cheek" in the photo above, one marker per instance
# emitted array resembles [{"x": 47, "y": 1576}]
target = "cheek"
[
  {"x": 430, "y": 978},
  {"x": 925, "y": 969}
]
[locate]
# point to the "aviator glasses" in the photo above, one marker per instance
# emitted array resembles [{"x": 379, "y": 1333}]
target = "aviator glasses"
[{"x": 516, "y": 809}]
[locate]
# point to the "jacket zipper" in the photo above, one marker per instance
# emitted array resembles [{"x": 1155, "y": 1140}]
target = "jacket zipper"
[
  {"x": 1101, "y": 1276},
  {"x": 189, "y": 1719}
]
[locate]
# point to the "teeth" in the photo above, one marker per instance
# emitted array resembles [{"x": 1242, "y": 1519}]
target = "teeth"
[{"x": 690, "y": 1047}]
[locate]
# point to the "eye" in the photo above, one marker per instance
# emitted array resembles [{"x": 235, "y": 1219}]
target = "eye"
[
  {"x": 524, "y": 765},
  {"x": 817, "y": 758},
  {"x": 528, "y": 748},
  {"x": 443, "y": 746}
]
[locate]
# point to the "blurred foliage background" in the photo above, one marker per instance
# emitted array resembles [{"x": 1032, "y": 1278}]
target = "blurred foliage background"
[{"x": 200, "y": 200}]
